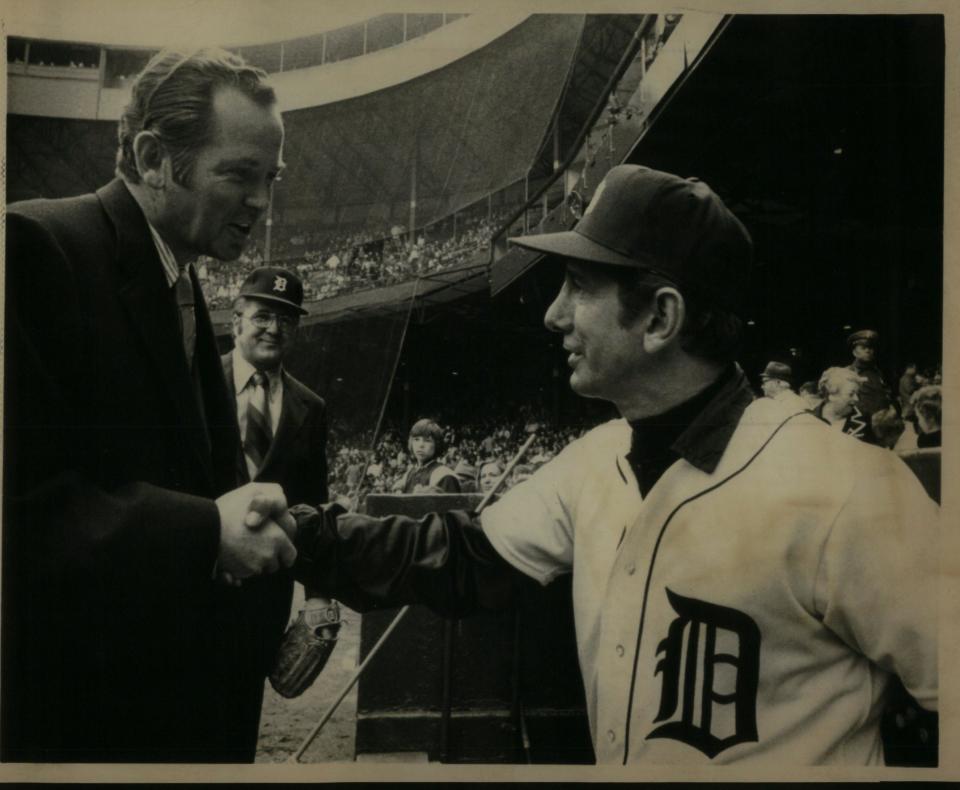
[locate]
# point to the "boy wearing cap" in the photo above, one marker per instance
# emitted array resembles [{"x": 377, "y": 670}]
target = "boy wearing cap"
[
  {"x": 775, "y": 379},
  {"x": 745, "y": 580},
  {"x": 775, "y": 382}
]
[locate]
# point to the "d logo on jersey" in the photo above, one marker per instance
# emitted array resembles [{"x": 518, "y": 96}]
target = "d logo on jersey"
[{"x": 710, "y": 672}]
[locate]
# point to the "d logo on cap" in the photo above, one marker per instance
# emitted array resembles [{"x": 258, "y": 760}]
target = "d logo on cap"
[{"x": 275, "y": 285}]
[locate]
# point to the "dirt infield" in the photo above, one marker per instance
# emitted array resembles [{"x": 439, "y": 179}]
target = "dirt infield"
[{"x": 284, "y": 723}]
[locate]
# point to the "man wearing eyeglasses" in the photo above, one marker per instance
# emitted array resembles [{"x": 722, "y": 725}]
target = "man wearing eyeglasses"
[
  {"x": 284, "y": 434},
  {"x": 124, "y": 511}
]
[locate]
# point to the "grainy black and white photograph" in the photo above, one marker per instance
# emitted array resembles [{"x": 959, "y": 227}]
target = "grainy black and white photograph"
[{"x": 477, "y": 390}]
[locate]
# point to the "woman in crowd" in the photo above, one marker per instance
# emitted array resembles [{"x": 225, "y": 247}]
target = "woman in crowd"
[
  {"x": 839, "y": 388},
  {"x": 488, "y": 475}
]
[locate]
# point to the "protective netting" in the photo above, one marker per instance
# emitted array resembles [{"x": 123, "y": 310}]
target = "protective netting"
[
  {"x": 355, "y": 162},
  {"x": 58, "y": 157},
  {"x": 351, "y": 365}
]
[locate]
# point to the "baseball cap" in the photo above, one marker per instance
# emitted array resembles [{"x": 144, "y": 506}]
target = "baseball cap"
[
  {"x": 866, "y": 337},
  {"x": 777, "y": 370},
  {"x": 275, "y": 285},
  {"x": 662, "y": 223}
]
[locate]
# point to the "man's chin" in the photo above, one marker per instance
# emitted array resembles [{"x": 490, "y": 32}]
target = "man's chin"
[
  {"x": 581, "y": 387},
  {"x": 226, "y": 252}
]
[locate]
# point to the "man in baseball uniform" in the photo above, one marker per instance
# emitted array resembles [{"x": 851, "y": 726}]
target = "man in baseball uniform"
[{"x": 746, "y": 580}]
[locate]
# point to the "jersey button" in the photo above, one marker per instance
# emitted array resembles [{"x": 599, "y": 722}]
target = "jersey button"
[
  {"x": 631, "y": 569},
  {"x": 620, "y": 650},
  {"x": 611, "y": 736}
]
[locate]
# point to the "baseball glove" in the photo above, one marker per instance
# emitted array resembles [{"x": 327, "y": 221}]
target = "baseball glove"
[{"x": 306, "y": 646}]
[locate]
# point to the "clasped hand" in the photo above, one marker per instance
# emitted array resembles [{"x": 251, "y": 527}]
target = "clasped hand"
[{"x": 256, "y": 532}]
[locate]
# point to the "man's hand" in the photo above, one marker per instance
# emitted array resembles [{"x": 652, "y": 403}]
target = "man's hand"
[
  {"x": 262, "y": 510},
  {"x": 255, "y": 531}
]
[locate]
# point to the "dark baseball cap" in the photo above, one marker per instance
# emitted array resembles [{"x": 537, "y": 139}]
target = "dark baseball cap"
[
  {"x": 661, "y": 223},
  {"x": 275, "y": 285},
  {"x": 777, "y": 370}
]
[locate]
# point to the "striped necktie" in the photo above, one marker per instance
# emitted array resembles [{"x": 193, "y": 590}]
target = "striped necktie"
[
  {"x": 256, "y": 443},
  {"x": 188, "y": 319}
]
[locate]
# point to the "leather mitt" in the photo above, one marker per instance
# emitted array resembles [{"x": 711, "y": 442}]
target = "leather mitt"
[{"x": 306, "y": 647}]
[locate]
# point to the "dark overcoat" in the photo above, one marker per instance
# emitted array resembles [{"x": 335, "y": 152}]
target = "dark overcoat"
[{"x": 118, "y": 645}]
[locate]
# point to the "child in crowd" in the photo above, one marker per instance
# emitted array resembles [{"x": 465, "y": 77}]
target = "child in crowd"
[{"x": 427, "y": 474}]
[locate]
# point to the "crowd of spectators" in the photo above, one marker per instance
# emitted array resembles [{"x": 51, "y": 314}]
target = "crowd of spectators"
[
  {"x": 334, "y": 263},
  {"x": 867, "y": 408},
  {"x": 477, "y": 451}
]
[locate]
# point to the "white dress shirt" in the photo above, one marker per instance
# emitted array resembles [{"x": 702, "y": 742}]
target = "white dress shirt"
[{"x": 171, "y": 269}]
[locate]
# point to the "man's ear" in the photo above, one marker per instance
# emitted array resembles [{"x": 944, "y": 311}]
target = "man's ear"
[
  {"x": 150, "y": 157},
  {"x": 665, "y": 320}
]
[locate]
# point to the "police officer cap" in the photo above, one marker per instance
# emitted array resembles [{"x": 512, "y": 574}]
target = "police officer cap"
[
  {"x": 275, "y": 285},
  {"x": 777, "y": 370},
  {"x": 866, "y": 337},
  {"x": 661, "y": 223}
]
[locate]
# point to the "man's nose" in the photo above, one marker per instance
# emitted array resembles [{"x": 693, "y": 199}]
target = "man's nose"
[
  {"x": 556, "y": 318},
  {"x": 259, "y": 198}
]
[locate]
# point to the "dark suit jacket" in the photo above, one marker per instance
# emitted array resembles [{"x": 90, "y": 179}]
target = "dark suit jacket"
[
  {"x": 117, "y": 644},
  {"x": 297, "y": 460}
]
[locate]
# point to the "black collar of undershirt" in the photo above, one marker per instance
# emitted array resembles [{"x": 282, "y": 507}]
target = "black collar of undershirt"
[{"x": 698, "y": 429}]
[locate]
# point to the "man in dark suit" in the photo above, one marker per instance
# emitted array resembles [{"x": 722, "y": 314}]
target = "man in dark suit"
[
  {"x": 283, "y": 423},
  {"x": 266, "y": 316},
  {"x": 122, "y": 511}
]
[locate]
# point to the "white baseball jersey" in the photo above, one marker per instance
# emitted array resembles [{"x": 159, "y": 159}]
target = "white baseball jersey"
[{"x": 755, "y": 613}]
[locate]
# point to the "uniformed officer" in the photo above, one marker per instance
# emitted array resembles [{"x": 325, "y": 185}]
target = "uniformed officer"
[{"x": 874, "y": 392}]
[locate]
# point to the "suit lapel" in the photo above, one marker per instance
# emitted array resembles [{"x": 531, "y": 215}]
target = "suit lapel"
[
  {"x": 293, "y": 412},
  {"x": 221, "y": 408},
  {"x": 152, "y": 312},
  {"x": 226, "y": 360}
]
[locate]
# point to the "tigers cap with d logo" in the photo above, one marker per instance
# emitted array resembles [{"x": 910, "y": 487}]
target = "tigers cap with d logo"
[
  {"x": 276, "y": 285},
  {"x": 658, "y": 222}
]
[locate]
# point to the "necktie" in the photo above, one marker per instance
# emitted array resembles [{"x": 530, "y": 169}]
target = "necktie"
[
  {"x": 257, "y": 441},
  {"x": 188, "y": 319}
]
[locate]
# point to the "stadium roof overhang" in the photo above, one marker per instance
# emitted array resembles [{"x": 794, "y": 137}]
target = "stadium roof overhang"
[
  {"x": 656, "y": 87},
  {"x": 824, "y": 133},
  {"x": 187, "y": 22},
  {"x": 430, "y": 290}
]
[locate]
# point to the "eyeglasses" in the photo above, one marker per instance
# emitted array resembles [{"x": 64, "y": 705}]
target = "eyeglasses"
[{"x": 263, "y": 319}]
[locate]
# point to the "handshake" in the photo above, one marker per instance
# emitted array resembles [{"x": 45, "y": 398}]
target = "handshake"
[{"x": 256, "y": 532}]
